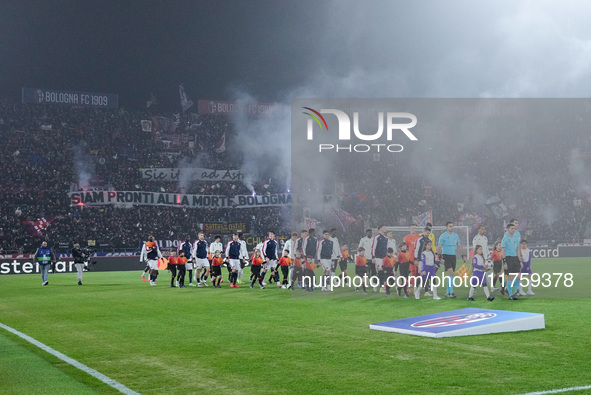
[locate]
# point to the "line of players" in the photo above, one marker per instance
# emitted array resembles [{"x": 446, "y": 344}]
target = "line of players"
[
  {"x": 303, "y": 252},
  {"x": 510, "y": 254},
  {"x": 419, "y": 255},
  {"x": 198, "y": 260}
]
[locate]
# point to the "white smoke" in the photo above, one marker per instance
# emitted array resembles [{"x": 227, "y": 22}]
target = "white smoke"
[
  {"x": 579, "y": 174},
  {"x": 461, "y": 48},
  {"x": 186, "y": 172},
  {"x": 83, "y": 166},
  {"x": 263, "y": 140}
]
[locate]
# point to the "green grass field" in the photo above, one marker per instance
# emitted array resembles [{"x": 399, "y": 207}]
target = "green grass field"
[{"x": 163, "y": 340}]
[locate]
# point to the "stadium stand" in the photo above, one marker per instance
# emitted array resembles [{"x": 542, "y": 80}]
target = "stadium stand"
[{"x": 48, "y": 151}]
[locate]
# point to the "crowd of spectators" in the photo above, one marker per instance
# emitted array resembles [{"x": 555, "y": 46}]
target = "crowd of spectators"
[
  {"x": 536, "y": 175},
  {"x": 49, "y": 151},
  {"x": 52, "y": 150}
]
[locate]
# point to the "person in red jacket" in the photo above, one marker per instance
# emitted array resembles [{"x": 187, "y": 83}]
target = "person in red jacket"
[
  {"x": 403, "y": 263},
  {"x": 361, "y": 268},
  {"x": 411, "y": 243},
  {"x": 172, "y": 267},
  {"x": 257, "y": 261},
  {"x": 181, "y": 261},
  {"x": 497, "y": 259},
  {"x": 297, "y": 270},
  {"x": 216, "y": 269},
  {"x": 309, "y": 276},
  {"x": 284, "y": 263},
  {"x": 345, "y": 260},
  {"x": 388, "y": 267}
]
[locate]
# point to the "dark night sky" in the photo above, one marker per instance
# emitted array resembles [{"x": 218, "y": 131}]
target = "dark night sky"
[
  {"x": 277, "y": 49},
  {"x": 135, "y": 47}
]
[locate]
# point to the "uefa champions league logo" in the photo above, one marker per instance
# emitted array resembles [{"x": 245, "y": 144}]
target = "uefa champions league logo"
[{"x": 458, "y": 319}]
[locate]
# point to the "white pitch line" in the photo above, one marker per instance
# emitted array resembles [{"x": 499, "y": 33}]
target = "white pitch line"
[
  {"x": 109, "y": 381},
  {"x": 586, "y": 387}
]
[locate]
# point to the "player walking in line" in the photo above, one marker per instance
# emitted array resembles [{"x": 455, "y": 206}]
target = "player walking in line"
[
  {"x": 243, "y": 257},
  {"x": 300, "y": 241},
  {"x": 449, "y": 241},
  {"x": 310, "y": 244},
  {"x": 201, "y": 261},
  {"x": 216, "y": 268},
  {"x": 497, "y": 258},
  {"x": 310, "y": 248},
  {"x": 402, "y": 264},
  {"x": 526, "y": 267},
  {"x": 336, "y": 251},
  {"x": 233, "y": 256},
  {"x": 257, "y": 261},
  {"x": 290, "y": 245},
  {"x": 270, "y": 256},
  {"x": 379, "y": 250},
  {"x": 511, "y": 254},
  {"x": 284, "y": 264},
  {"x": 411, "y": 241},
  {"x": 324, "y": 255},
  {"x": 361, "y": 268},
  {"x": 478, "y": 278},
  {"x": 428, "y": 270},
  {"x": 422, "y": 240},
  {"x": 151, "y": 253},
  {"x": 187, "y": 249}
]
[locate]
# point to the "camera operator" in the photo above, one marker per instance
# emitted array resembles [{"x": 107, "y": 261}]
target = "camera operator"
[{"x": 79, "y": 259}]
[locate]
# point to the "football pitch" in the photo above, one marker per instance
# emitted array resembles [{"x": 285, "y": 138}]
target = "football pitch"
[{"x": 159, "y": 340}]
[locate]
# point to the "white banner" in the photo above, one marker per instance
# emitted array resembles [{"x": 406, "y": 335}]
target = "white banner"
[
  {"x": 196, "y": 174},
  {"x": 133, "y": 198}
]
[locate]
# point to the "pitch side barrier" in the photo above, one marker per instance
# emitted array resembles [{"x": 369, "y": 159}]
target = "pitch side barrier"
[
  {"x": 126, "y": 261},
  {"x": 561, "y": 251},
  {"x": 66, "y": 265}
]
